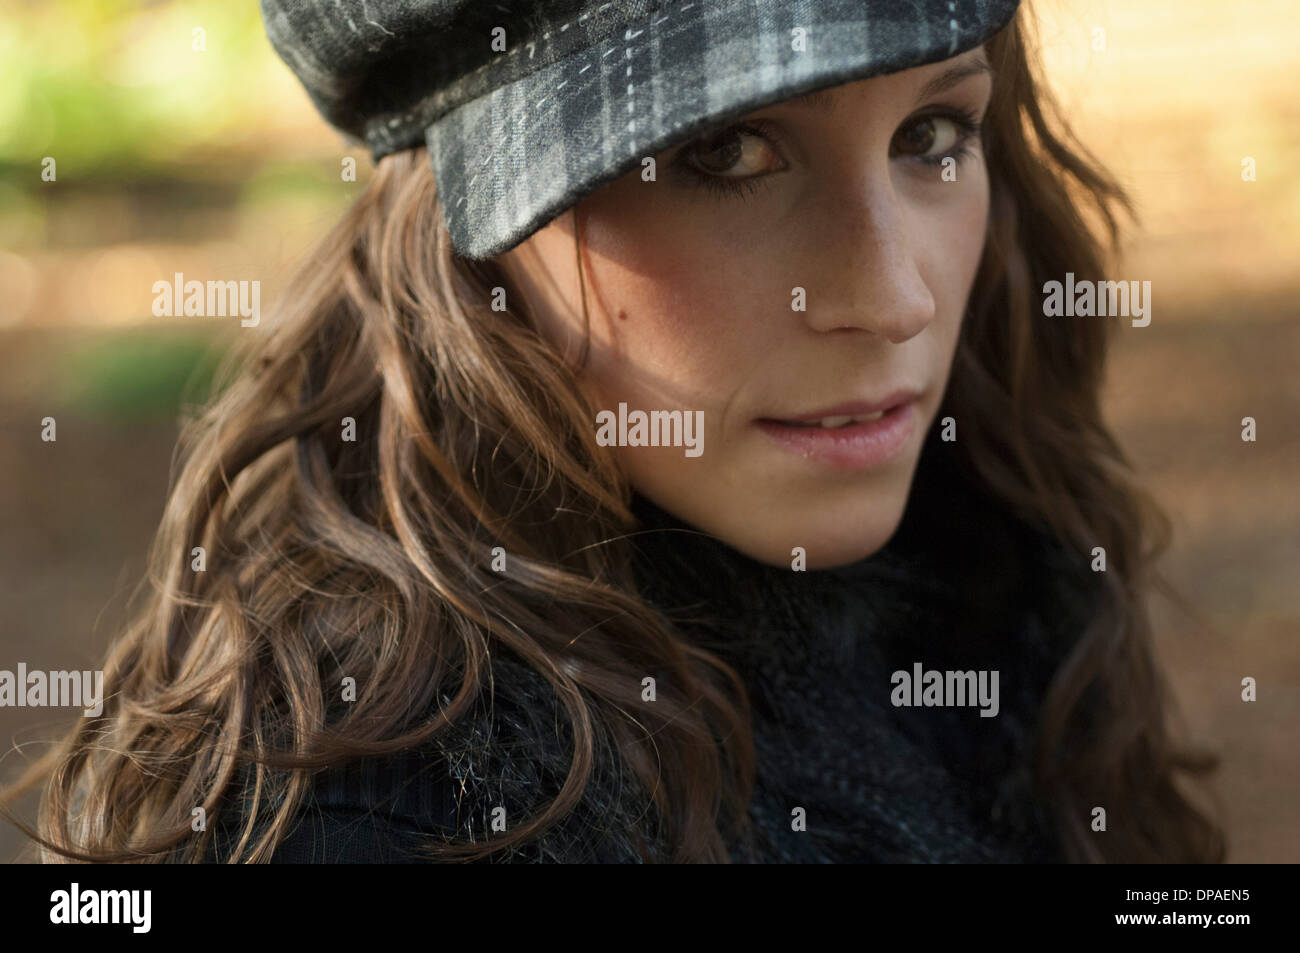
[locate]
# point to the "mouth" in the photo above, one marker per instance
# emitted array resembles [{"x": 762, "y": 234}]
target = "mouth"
[
  {"x": 834, "y": 422},
  {"x": 850, "y": 436}
]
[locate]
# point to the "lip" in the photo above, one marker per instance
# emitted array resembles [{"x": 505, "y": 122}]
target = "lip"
[
  {"x": 853, "y": 408},
  {"x": 853, "y": 447}
]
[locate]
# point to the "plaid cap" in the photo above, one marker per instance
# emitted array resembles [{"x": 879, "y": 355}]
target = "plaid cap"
[{"x": 528, "y": 105}]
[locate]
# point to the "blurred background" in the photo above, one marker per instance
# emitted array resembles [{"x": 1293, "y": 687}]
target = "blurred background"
[{"x": 182, "y": 144}]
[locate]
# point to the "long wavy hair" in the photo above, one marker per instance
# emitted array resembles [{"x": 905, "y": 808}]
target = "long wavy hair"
[{"x": 369, "y": 558}]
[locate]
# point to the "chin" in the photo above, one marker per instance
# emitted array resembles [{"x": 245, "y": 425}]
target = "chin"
[{"x": 830, "y": 537}]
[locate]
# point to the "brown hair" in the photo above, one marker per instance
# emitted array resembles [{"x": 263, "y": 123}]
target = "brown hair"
[{"x": 368, "y": 558}]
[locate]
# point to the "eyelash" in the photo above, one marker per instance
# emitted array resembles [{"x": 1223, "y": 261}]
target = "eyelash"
[
  {"x": 724, "y": 185},
  {"x": 968, "y": 126},
  {"x": 966, "y": 121}
]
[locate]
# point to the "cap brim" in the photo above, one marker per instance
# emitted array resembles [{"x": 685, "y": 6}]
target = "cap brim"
[{"x": 509, "y": 162}]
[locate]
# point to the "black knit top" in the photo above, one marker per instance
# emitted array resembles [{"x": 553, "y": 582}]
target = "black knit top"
[{"x": 962, "y": 586}]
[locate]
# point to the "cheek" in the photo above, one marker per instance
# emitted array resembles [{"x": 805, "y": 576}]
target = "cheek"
[
  {"x": 956, "y": 232},
  {"x": 673, "y": 329}
]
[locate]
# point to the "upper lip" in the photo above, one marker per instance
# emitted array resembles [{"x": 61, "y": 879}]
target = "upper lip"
[{"x": 853, "y": 408}]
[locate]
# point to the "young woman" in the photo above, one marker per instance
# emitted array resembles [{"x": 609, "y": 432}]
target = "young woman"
[{"x": 457, "y": 606}]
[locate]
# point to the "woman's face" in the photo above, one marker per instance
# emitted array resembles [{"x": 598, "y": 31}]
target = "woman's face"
[{"x": 806, "y": 265}]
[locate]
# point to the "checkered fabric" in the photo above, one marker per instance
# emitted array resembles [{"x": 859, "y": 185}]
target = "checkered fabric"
[{"x": 528, "y": 105}]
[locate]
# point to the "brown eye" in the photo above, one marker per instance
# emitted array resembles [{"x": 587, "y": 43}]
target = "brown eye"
[
  {"x": 925, "y": 135},
  {"x": 733, "y": 152},
  {"x": 917, "y": 138},
  {"x": 718, "y": 153}
]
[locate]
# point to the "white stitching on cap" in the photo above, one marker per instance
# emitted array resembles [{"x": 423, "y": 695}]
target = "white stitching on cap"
[
  {"x": 631, "y": 97},
  {"x": 628, "y": 53},
  {"x": 952, "y": 25},
  {"x": 628, "y": 35}
]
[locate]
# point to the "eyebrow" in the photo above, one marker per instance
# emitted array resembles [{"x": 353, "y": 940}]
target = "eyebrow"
[
  {"x": 950, "y": 78},
  {"x": 823, "y": 100}
]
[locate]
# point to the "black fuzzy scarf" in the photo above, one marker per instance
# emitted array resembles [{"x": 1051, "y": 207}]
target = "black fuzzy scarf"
[{"x": 961, "y": 586}]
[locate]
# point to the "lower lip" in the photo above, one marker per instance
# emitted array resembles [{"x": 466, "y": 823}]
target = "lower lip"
[{"x": 853, "y": 447}]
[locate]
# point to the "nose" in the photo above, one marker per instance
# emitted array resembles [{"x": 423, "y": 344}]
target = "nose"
[{"x": 869, "y": 275}]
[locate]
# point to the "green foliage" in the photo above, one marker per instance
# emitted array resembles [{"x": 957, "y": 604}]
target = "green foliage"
[
  {"x": 112, "y": 85},
  {"x": 135, "y": 374}
]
